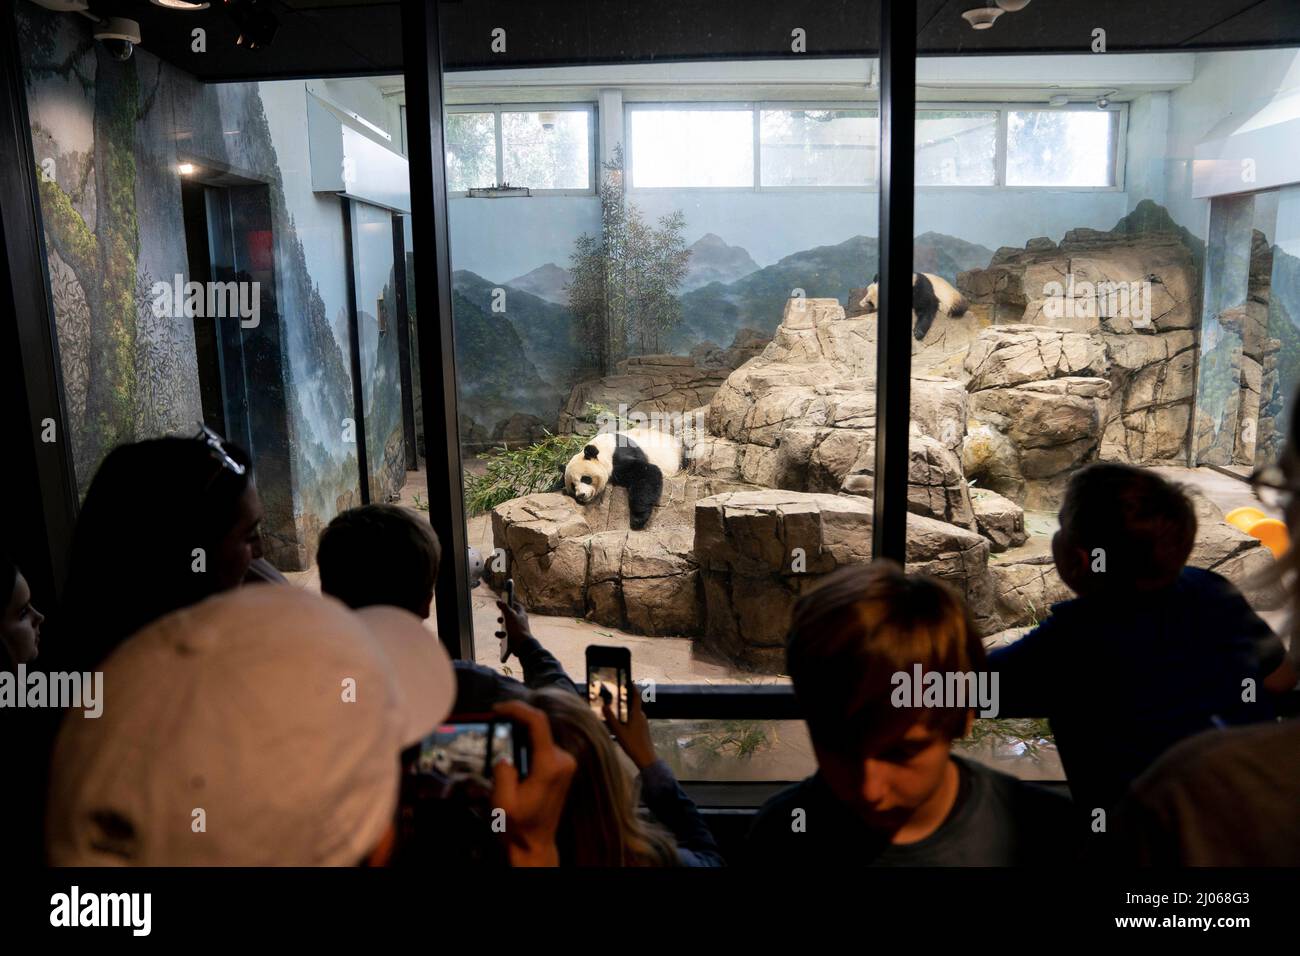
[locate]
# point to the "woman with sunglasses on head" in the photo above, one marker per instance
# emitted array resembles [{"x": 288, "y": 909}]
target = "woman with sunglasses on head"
[{"x": 166, "y": 523}]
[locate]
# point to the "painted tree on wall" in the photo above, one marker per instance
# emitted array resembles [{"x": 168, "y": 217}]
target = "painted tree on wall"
[
  {"x": 103, "y": 259},
  {"x": 623, "y": 283}
]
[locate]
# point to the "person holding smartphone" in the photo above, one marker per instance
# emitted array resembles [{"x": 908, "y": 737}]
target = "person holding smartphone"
[
  {"x": 660, "y": 791},
  {"x": 601, "y": 824}
]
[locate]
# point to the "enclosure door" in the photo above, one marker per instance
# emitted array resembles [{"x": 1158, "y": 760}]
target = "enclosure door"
[{"x": 376, "y": 314}]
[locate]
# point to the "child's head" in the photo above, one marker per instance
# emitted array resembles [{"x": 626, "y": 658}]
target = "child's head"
[
  {"x": 848, "y": 638},
  {"x": 1122, "y": 529},
  {"x": 379, "y": 554}
]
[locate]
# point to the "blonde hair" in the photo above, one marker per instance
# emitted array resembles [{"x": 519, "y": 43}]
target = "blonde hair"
[{"x": 601, "y": 825}]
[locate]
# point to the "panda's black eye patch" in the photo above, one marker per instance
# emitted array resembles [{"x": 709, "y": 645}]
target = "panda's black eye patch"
[{"x": 586, "y": 479}]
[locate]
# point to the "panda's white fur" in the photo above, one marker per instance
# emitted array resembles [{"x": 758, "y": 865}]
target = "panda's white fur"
[
  {"x": 935, "y": 295},
  {"x": 638, "y": 459}
]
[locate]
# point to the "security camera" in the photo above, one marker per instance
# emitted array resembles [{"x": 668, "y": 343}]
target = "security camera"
[{"x": 119, "y": 36}]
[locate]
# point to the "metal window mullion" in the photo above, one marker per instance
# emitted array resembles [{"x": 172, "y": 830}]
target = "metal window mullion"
[
  {"x": 422, "y": 57},
  {"x": 1000, "y": 150},
  {"x": 500, "y": 136},
  {"x": 894, "y": 324},
  {"x": 758, "y": 147}
]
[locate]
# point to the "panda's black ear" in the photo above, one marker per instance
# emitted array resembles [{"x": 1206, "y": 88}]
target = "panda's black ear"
[{"x": 590, "y": 452}]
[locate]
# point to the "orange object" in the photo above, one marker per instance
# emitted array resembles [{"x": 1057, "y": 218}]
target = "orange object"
[
  {"x": 1272, "y": 533},
  {"x": 1243, "y": 518}
]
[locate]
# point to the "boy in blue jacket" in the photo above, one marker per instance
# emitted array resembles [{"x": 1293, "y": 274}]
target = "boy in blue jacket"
[{"x": 1150, "y": 652}]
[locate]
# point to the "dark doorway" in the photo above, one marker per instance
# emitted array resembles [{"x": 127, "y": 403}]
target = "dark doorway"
[{"x": 215, "y": 255}]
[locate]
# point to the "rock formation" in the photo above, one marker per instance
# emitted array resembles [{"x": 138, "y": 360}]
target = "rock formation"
[
  {"x": 663, "y": 386},
  {"x": 1006, "y": 403}
]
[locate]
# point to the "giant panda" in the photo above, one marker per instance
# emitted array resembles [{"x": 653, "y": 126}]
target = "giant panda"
[
  {"x": 930, "y": 295},
  {"x": 637, "y": 459}
]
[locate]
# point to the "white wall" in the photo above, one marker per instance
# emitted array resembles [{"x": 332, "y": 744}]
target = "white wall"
[
  {"x": 1226, "y": 84},
  {"x": 317, "y": 215},
  {"x": 1148, "y": 143},
  {"x": 503, "y": 238}
]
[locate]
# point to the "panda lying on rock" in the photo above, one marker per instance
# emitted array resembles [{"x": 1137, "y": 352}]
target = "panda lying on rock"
[
  {"x": 637, "y": 459},
  {"x": 931, "y": 294}
]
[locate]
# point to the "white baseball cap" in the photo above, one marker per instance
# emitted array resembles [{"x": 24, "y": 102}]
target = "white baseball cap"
[{"x": 260, "y": 727}]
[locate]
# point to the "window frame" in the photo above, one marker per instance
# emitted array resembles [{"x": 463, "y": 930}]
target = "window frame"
[
  {"x": 872, "y": 107},
  {"x": 1002, "y": 109},
  {"x": 496, "y": 109},
  {"x": 687, "y": 106}
]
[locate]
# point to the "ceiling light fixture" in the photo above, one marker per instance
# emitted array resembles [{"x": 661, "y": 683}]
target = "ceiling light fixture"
[
  {"x": 1013, "y": 6},
  {"x": 185, "y": 169},
  {"x": 981, "y": 18},
  {"x": 180, "y": 4}
]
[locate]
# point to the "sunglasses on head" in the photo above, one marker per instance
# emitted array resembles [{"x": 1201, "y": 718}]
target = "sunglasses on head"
[{"x": 217, "y": 448}]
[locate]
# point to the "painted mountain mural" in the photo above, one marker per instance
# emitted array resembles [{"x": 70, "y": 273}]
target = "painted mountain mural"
[
  {"x": 496, "y": 379},
  {"x": 524, "y": 360},
  {"x": 543, "y": 328},
  {"x": 712, "y": 260},
  {"x": 546, "y": 282},
  {"x": 716, "y": 312}
]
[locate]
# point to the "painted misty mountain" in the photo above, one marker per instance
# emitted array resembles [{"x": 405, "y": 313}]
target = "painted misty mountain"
[
  {"x": 712, "y": 260},
  {"x": 716, "y": 312},
  {"x": 547, "y": 282},
  {"x": 496, "y": 379},
  {"x": 543, "y": 328},
  {"x": 524, "y": 360}
]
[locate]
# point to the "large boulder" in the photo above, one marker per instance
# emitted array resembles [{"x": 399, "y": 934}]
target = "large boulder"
[
  {"x": 519, "y": 429},
  {"x": 582, "y": 560},
  {"x": 999, "y": 519},
  {"x": 1133, "y": 298},
  {"x": 801, "y": 417},
  {"x": 659, "y": 387},
  {"x": 1024, "y": 590},
  {"x": 760, "y": 550},
  {"x": 1037, "y": 434},
  {"x": 745, "y": 345}
]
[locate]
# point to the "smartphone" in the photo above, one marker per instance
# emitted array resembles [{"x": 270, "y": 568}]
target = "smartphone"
[
  {"x": 505, "y": 638},
  {"x": 609, "y": 679},
  {"x": 472, "y": 744}
]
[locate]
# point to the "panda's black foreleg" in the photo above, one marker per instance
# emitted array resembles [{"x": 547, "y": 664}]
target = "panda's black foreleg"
[
  {"x": 924, "y": 319},
  {"x": 645, "y": 484}
]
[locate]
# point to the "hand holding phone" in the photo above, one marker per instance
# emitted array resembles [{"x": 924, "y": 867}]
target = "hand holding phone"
[
  {"x": 504, "y": 634},
  {"x": 633, "y": 735},
  {"x": 534, "y": 806},
  {"x": 609, "y": 680}
]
